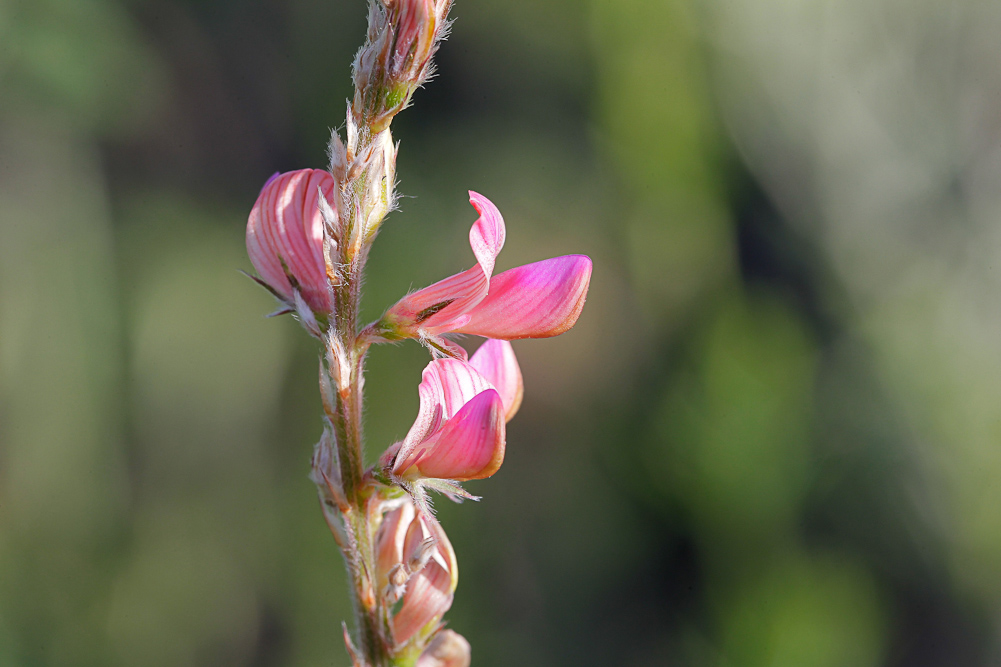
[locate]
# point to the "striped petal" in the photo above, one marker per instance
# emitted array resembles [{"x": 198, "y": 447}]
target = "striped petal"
[
  {"x": 532, "y": 301},
  {"x": 470, "y": 445},
  {"x": 285, "y": 225},
  {"x": 428, "y": 596},
  {"x": 495, "y": 360},
  {"x": 446, "y": 385},
  {"x": 428, "y": 592},
  {"x": 442, "y": 307}
]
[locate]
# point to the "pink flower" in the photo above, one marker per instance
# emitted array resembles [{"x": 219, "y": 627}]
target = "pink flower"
[
  {"x": 415, "y": 561},
  {"x": 459, "y": 433},
  {"x": 285, "y": 237},
  {"x": 531, "y": 301}
]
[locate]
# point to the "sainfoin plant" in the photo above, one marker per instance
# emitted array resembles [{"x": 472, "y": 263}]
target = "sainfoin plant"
[{"x": 308, "y": 237}]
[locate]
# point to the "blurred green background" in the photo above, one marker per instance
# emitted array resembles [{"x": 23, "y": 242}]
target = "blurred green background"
[{"x": 773, "y": 439}]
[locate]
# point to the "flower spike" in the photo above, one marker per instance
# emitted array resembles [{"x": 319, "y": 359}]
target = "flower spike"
[{"x": 309, "y": 236}]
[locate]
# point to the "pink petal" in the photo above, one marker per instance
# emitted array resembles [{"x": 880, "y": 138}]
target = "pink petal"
[
  {"x": 390, "y": 539},
  {"x": 486, "y": 236},
  {"x": 439, "y": 307},
  {"x": 424, "y": 526},
  {"x": 446, "y": 385},
  {"x": 533, "y": 301},
  {"x": 428, "y": 596},
  {"x": 470, "y": 445},
  {"x": 495, "y": 360},
  {"x": 285, "y": 225},
  {"x": 429, "y": 592}
]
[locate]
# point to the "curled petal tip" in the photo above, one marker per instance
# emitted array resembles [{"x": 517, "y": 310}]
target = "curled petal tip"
[{"x": 443, "y": 306}]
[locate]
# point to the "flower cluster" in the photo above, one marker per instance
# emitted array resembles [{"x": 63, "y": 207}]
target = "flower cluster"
[{"x": 308, "y": 236}]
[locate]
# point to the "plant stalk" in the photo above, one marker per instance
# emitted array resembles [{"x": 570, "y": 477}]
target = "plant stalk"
[{"x": 348, "y": 378}]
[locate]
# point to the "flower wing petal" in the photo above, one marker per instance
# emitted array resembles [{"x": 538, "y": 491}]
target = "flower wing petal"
[
  {"x": 429, "y": 592},
  {"x": 428, "y": 596},
  {"x": 496, "y": 361},
  {"x": 390, "y": 540},
  {"x": 533, "y": 301},
  {"x": 446, "y": 386},
  {"x": 471, "y": 444}
]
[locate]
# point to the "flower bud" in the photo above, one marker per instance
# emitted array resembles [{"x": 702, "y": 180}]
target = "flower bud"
[
  {"x": 325, "y": 470},
  {"x": 447, "y": 649},
  {"x": 285, "y": 240},
  {"x": 413, "y": 551},
  {"x": 415, "y": 24},
  {"x": 397, "y": 585},
  {"x": 396, "y": 58}
]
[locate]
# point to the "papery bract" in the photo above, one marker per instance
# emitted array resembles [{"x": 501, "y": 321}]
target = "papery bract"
[
  {"x": 286, "y": 227},
  {"x": 428, "y": 590},
  {"x": 531, "y": 301}
]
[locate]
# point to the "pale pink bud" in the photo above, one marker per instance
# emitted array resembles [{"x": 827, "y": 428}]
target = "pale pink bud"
[
  {"x": 389, "y": 541},
  {"x": 447, "y": 649},
  {"x": 415, "y": 23},
  {"x": 430, "y": 590},
  {"x": 413, "y": 552},
  {"x": 285, "y": 238}
]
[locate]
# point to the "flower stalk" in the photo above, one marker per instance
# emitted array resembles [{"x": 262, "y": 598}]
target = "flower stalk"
[{"x": 308, "y": 237}]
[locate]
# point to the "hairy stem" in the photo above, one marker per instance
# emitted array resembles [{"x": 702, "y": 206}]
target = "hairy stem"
[{"x": 347, "y": 374}]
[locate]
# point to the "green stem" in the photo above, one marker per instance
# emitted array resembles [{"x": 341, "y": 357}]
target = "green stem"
[{"x": 359, "y": 520}]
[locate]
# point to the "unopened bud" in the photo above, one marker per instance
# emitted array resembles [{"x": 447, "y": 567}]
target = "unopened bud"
[
  {"x": 447, "y": 649},
  {"x": 325, "y": 470},
  {"x": 396, "y": 59},
  {"x": 338, "y": 154},
  {"x": 285, "y": 241},
  {"x": 415, "y": 24}
]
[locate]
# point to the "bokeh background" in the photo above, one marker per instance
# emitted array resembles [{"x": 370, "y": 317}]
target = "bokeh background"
[{"x": 773, "y": 439}]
